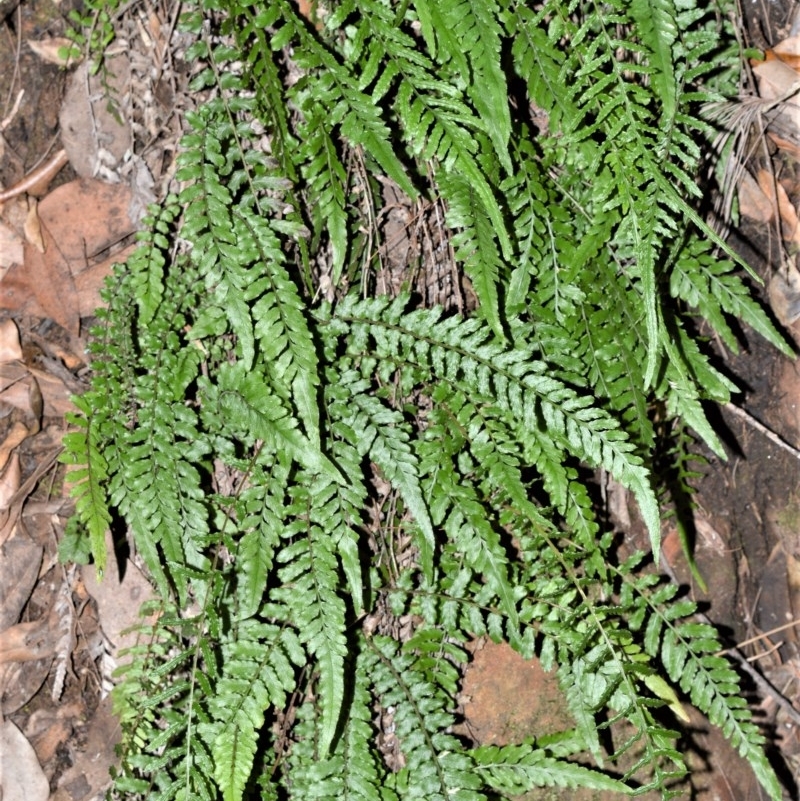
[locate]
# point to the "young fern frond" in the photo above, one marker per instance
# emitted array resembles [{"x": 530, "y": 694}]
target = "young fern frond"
[{"x": 336, "y": 495}]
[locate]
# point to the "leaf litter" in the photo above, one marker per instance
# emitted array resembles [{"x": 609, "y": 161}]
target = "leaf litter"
[{"x": 60, "y": 629}]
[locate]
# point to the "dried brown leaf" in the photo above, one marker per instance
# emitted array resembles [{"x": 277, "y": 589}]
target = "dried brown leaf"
[
  {"x": 753, "y": 202},
  {"x": 777, "y": 80},
  {"x": 10, "y": 481},
  {"x": 10, "y": 349},
  {"x": 56, "y": 50},
  {"x": 776, "y": 194},
  {"x": 33, "y": 228},
  {"x": 26, "y": 642},
  {"x": 788, "y": 51},
  {"x": 11, "y": 245},
  {"x": 19, "y": 432},
  {"x": 21, "y": 775}
]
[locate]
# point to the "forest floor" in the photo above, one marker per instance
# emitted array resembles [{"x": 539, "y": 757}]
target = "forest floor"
[{"x": 60, "y": 629}]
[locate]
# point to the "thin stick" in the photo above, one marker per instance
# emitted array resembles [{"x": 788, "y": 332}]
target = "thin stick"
[
  {"x": 766, "y": 687},
  {"x": 775, "y": 647},
  {"x": 770, "y": 435},
  {"x": 762, "y": 636}
]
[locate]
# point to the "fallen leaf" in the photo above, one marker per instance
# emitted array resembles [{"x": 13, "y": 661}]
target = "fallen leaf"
[
  {"x": 784, "y": 294},
  {"x": 56, "y": 50},
  {"x": 10, "y": 349},
  {"x": 9, "y": 482},
  {"x": 20, "y": 560},
  {"x": 27, "y": 642},
  {"x": 90, "y": 771},
  {"x": 56, "y": 395},
  {"x": 81, "y": 223},
  {"x": 93, "y": 130},
  {"x": 776, "y": 80},
  {"x": 33, "y": 228},
  {"x": 785, "y": 144},
  {"x": 18, "y": 434},
  {"x": 753, "y": 202},
  {"x": 21, "y": 775},
  {"x": 118, "y": 600},
  {"x": 15, "y": 388},
  {"x": 11, "y": 245},
  {"x": 788, "y": 51},
  {"x": 790, "y": 226}
]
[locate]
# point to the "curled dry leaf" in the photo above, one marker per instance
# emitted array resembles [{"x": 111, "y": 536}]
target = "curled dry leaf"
[
  {"x": 777, "y": 196},
  {"x": 38, "y": 180},
  {"x": 19, "y": 432}
]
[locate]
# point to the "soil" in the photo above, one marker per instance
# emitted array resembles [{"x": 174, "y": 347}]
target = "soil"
[{"x": 745, "y": 526}]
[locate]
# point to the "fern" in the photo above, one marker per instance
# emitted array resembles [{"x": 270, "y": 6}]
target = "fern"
[
  {"x": 258, "y": 668},
  {"x": 518, "y": 769},
  {"x": 333, "y": 496},
  {"x": 88, "y": 490}
]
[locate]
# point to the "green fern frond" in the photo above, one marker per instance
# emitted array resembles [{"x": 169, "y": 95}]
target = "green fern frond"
[
  {"x": 258, "y": 672},
  {"x": 477, "y": 29},
  {"x": 435, "y": 767},
  {"x": 462, "y": 353},
  {"x": 475, "y": 246},
  {"x": 81, "y": 448},
  {"x": 386, "y": 439},
  {"x": 354, "y": 769},
  {"x": 518, "y": 769},
  {"x": 309, "y": 578},
  {"x": 658, "y": 30}
]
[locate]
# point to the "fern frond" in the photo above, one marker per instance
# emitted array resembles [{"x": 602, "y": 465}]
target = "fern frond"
[
  {"x": 81, "y": 448},
  {"x": 309, "y": 577},
  {"x": 709, "y": 284},
  {"x": 518, "y": 769},
  {"x": 475, "y": 246},
  {"x": 258, "y": 672},
  {"x": 435, "y": 767},
  {"x": 468, "y": 525},
  {"x": 354, "y": 769},
  {"x": 687, "y": 650},
  {"x": 337, "y": 495},
  {"x": 385, "y": 438},
  {"x": 477, "y": 29},
  {"x": 461, "y": 353},
  {"x": 658, "y": 30}
]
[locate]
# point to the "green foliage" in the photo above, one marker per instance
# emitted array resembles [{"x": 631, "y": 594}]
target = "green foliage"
[{"x": 333, "y": 497}]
